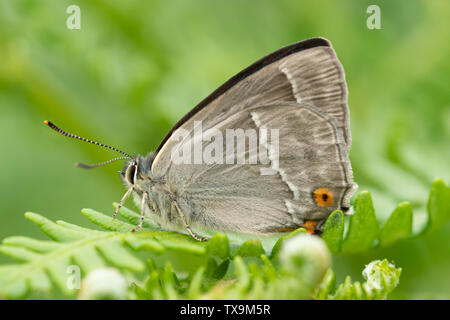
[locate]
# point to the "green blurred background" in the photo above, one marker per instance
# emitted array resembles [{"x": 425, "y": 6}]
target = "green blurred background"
[{"x": 136, "y": 67}]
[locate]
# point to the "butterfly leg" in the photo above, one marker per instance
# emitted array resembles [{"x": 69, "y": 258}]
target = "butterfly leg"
[
  {"x": 183, "y": 218},
  {"x": 122, "y": 201},
  {"x": 141, "y": 219}
]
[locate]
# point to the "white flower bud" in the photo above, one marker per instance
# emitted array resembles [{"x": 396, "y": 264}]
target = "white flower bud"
[
  {"x": 307, "y": 253},
  {"x": 103, "y": 284},
  {"x": 380, "y": 275}
]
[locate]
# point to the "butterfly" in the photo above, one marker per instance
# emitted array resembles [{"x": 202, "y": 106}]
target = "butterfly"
[{"x": 294, "y": 179}]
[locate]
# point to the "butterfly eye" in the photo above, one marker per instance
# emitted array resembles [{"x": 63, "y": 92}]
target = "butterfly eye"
[
  {"x": 323, "y": 197},
  {"x": 131, "y": 171}
]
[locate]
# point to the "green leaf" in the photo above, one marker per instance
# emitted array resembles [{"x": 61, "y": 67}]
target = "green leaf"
[
  {"x": 12, "y": 284},
  {"x": 363, "y": 226},
  {"x": 106, "y": 222},
  {"x": 52, "y": 230},
  {"x": 118, "y": 256},
  {"x": 196, "y": 284},
  {"x": 18, "y": 253},
  {"x": 221, "y": 270},
  {"x": 243, "y": 275},
  {"x": 31, "y": 244},
  {"x": 251, "y": 248},
  {"x": 57, "y": 270},
  {"x": 327, "y": 286},
  {"x": 133, "y": 217},
  {"x": 438, "y": 205},
  {"x": 333, "y": 231},
  {"x": 398, "y": 226},
  {"x": 219, "y": 246},
  {"x": 88, "y": 258},
  {"x": 381, "y": 277},
  {"x": 276, "y": 248},
  {"x": 140, "y": 243}
]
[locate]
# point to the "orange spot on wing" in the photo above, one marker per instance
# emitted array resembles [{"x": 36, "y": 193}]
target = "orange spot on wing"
[
  {"x": 323, "y": 197},
  {"x": 310, "y": 226}
]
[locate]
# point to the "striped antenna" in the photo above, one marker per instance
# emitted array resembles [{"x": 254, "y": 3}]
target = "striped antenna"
[
  {"x": 86, "y": 166},
  {"x": 92, "y": 166}
]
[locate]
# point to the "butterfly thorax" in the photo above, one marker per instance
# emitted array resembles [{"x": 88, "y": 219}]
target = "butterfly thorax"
[{"x": 159, "y": 200}]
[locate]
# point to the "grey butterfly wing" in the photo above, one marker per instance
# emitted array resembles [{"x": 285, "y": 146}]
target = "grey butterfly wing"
[
  {"x": 312, "y": 157},
  {"x": 229, "y": 196},
  {"x": 307, "y": 71},
  {"x": 248, "y": 198},
  {"x": 311, "y": 80}
]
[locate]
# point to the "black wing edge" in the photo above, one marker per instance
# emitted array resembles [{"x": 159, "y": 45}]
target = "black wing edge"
[{"x": 256, "y": 66}]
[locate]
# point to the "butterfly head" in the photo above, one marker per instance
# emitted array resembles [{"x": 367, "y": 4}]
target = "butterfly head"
[{"x": 136, "y": 169}]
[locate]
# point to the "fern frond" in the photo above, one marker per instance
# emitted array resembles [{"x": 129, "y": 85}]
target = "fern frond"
[
  {"x": 381, "y": 278},
  {"x": 182, "y": 267},
  {"x": 48, "y": 261},
  {"x": 364, "y": 232}
]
